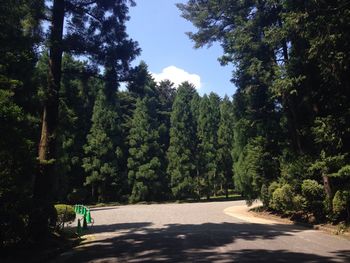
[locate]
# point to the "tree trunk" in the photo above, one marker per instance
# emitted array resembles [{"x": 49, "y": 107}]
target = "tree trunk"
[
  {"x": 44, "y": 181},
  {"x": 327, "y": 186}
]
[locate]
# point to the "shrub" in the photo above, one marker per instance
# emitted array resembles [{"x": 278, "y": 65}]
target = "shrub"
[
  {"x": 313, "y": 193},
  {"x": 299, "y": 203},
  {"x": 312, "y": 190},
  {"x": 65, "y": 214},
  {"x": 282, "y": 199},
  {"x": 272, "y": 187},
  {"x": 341, "y": 203}
]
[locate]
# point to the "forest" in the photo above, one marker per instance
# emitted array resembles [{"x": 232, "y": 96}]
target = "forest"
[{"x": 70, "y": 134}]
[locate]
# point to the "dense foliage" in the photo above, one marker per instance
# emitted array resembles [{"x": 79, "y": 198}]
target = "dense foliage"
[
  {"x": 291, "y": 108},
  {"x": 68, "y": 134}
]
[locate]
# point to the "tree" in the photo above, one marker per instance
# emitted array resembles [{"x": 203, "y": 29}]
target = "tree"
[
  {"x": 77, "y": 96},
  {"x": 19, "y": 35},
  {"x": 198, "y": 180},
  {"x": 181, "y": 165},
  {"x": 100, "y": 37},
  {"x": 225, "y": 142},
  {"x": 208, "y": 123},
  {"x": 146, "y": 176},
  {"x": 102, "y": 152},
  {"x": 165, "y": 94}
]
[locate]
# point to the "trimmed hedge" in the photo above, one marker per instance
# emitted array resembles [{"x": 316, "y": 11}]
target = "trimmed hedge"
[
  {"x": 313, "y": 193},
  {"x": 65, "y": 214},
  {"x": 282, "y": 199}
]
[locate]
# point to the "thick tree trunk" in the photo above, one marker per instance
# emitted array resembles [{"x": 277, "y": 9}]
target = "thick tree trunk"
[
  {"x": 43, "y": 184},
  {"x": 327, "y": 186}
]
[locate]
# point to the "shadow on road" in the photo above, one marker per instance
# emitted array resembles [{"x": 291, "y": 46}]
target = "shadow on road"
[
  {"x": 129, "y": 227},
  {"x": 139, "y": 242}
]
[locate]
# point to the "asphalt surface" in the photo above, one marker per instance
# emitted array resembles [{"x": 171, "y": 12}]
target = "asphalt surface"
[{"x": 200, "y": 232}]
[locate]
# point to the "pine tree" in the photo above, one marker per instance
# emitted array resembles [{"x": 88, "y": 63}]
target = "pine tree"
[
  {"x": 19, "y": 105},
  {"x": 146, "y": 176},
  {"x": 198, "y": 180},
  {"x": 82, "y": 28},
  {"x": 103, "y": 151},
  {"x": 208, "y": 123},
  {"x": 181, "y": 167},
  {"x": 165, "y": 93},
  {"x": 225, "y": 142},
  {"x": 78, "y": 93}
]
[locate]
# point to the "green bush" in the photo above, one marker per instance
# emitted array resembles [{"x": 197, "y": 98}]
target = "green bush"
[
  {"x": 272, "y": 187},
  {"x": 65, "y": 214},
  {"x": 312, "y": 190},
  {"x": 299, "y": 203},
  {"x": 282, "y": 199},
  {"x": 341, "y": 204},
  {"x": 314, "y": 195},
  {"x": 264, "y": 195}
]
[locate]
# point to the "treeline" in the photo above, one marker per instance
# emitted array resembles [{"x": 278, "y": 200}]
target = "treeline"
[
  {"x": 68, "y": 134},
  {"x": 291, "y": 108},
  {"x": 151, "y": 142}
]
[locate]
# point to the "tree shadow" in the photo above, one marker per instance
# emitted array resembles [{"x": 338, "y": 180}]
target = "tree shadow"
[
  {"x": 209, "y": 242},
  {"x": 128, "y": 227}
]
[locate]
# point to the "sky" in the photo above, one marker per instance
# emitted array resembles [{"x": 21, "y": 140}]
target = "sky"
[{"x": 159, "y": 29}]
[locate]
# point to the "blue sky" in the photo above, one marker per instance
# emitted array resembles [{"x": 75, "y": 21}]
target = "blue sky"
[{"x": 160, "y": 31}]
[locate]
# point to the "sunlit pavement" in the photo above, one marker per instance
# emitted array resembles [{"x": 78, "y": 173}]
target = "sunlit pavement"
[{"x": 200, "y": 232}]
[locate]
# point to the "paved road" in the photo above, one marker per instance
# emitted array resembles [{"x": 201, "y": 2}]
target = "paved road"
[{"x": 200, "y": 232}]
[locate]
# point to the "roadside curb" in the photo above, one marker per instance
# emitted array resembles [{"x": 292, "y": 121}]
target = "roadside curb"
[{"x": 323, "y": 228}]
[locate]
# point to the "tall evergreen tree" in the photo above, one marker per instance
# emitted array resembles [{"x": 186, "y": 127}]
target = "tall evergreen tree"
[
  {"x": 19, "y": 106},
  {"x": 198, "y": 180},
  {"x": 90, "y": 30},
  {"x": 225, "y": 142},
  {"x": 181, "y": 167},
  {"x": 102, "y": 151},
  {"x": 208, "y": 124},
  {"x": 78, "y": 92},
  {"x": 165, "y": 93},
  {"x": 146, "y": 176}
]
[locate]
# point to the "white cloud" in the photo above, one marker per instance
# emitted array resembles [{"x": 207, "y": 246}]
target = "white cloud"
[{"x": 177, "y": 76}]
